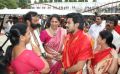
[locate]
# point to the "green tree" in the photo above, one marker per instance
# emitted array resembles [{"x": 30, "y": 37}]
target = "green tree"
[
  {"x": 8, "y": 4},
  {"x": 45, "y": 1},
  {"x": 22, "y": 3},
  {"x": 55, "y": 1},
  {"x": 75, "y": 0},
  {"x": 66, "y": 0},
  {"x": 40, "y": 1},
  {"x": 59, "y": 0},
  {"x": 51, "y": 1},
  {"x": 80, "y": 0},
  {"x": 94, "y": 0}
]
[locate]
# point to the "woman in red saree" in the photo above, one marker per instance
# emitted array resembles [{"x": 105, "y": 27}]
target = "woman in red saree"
[
  {"x": 103, "y": 61},
  {"x": 52, "y": 39}
]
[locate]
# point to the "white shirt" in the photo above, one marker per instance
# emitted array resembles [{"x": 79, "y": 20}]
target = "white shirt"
[
  {"x": 116, "y": 39},
  {"x": 8, "y": 26},
  {"x": 95, "y": 30},
  {"x": 29, "y": 46}
]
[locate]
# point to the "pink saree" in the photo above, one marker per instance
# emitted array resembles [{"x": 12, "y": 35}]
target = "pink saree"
[{"x": 54, "y": 46}]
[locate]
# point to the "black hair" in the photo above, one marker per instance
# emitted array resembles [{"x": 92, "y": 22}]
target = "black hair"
[
  {"x": 77, "y": 18},
  {"x": 114, "y": 19},
  {"x": 99, "y": 16},
  {"x": 15, "y": 32},
  {"x": 105, "y": 34},
  {"x": 29, "y": 15},
  {"x": 50, "y": 18}
]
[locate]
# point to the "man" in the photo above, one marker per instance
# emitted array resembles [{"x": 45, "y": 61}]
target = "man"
[
  {"x": 110, "y": 25},
  {"x": 95, "y": 29},
  {"x": 32, "y": 20},
  {"x": 78, "y": 49}
]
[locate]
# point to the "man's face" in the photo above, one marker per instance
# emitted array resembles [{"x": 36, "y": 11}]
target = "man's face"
[
  {"x": 98, "y": 20},
  {"x": 35, "y": 22},
  {"x": 109, "y": 25},
  {"x": 70, "y": 26}
]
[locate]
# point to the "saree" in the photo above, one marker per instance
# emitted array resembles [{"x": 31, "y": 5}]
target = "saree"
[
  {"x": 101, "y": 61},
  {"x": 54, "y": 47},
  {"x": 78, "y": 47}
]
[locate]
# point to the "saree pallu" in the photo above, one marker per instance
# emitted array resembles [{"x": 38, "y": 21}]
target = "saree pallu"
[
  {"x": 54, "y": 47},
  {"x": 78, "y": 47},
  {"x": 101, "y": 62}
]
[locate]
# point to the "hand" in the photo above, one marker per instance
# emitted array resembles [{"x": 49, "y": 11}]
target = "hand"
[
  {"x": 114, "y": 53},
  {"x": 58, "y": 57},
  {"x": 62, "y": 70},
  {"x": 50, "y": 56}
]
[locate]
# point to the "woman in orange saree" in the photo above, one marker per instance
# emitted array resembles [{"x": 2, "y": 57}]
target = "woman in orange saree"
[
  {"x": 103, "y": 61},
  {"x": 52, "y": 39}
]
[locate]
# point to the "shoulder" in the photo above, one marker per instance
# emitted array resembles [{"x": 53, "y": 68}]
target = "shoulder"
[
  {"x": 28, "y": 52},
  {"x": 93, "y": 25},
  {"x": 43, "y": 31}
]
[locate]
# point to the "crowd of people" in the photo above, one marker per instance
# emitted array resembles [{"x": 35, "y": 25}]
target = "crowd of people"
[{"x": 63, "y": 47}]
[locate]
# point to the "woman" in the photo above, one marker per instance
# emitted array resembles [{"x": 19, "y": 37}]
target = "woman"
[
  {"x": 52, "y": 39},
  {"x": 103, "y": 62},
  {"x": 21, "y": 60}
]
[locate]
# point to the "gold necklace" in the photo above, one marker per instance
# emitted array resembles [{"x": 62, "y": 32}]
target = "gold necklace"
[{"x": 54, "y": 32}]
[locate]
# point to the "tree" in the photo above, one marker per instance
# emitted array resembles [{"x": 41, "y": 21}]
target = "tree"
[
  {"x": 40, "y": 1},
  {"x": 66, "y": 0},
  {"x": 45, "y": 1},
  {"x": 8, "y": 4},
  {"x": 55, "y": 1},
  {"x": 75, "y": 0},
  {"x": 51, "y": 1},
  {"x": 94, "y": 0},
  {"x": 59, "y": 0},
  {"x": 22, "y": 3},
  {"x": 80, "y": 0}
]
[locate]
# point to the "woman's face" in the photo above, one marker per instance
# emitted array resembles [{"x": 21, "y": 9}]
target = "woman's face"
[
  {"x": 54, "y": 23},
  {"x": 100, "y": 41}
]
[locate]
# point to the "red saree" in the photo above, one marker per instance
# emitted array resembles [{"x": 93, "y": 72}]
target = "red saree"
[
  {"x": 77, "y": 47},
  {"x": 101, "y": 61}
]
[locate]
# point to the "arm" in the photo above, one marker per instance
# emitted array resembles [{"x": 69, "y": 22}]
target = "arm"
[
  {"x": 46, "y": 69},
  {"x": 39, "y": 63},
  {"x": 118, "y": 61},
  {"x": 76, "y": 67},
  {"x": 90, "y": 70},
  {"x": 114, "y": 66}
]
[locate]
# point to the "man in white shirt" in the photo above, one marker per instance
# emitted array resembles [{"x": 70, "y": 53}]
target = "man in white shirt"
[
  {"x": 32, "y": 20},
  {"x": 95, "y": 29}
]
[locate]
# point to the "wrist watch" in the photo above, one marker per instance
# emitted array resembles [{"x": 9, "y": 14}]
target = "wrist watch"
[{"x": 44, "y": 55}]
